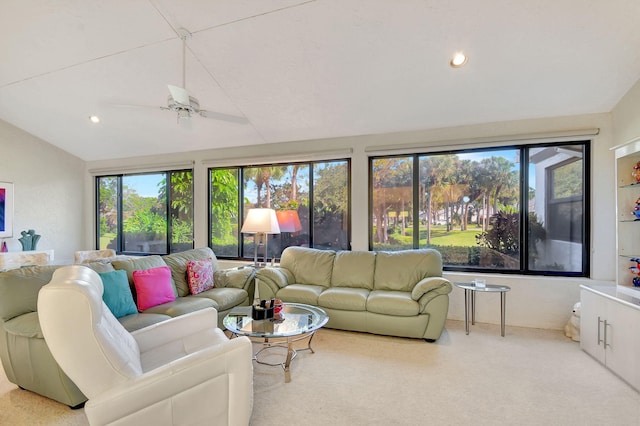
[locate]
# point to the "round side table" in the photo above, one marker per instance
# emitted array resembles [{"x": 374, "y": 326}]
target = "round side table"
[{"x": 470, "y": 290}]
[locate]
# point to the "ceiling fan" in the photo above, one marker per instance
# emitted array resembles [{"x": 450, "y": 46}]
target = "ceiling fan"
[{"x": 185, "y": 105}]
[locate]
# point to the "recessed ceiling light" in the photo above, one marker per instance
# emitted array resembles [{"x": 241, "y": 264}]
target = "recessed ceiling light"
[
  {"x": 458, "y": 60},
  {"x": 94, "y": 119}
]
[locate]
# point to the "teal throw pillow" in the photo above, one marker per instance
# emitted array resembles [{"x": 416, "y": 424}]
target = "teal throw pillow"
[{"x": 117, "y": 294}]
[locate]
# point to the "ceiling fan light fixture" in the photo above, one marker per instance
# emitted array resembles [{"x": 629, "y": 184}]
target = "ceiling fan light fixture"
[
  {"x": 458, "y": 60},
  {"x": 192, "y": 107}
]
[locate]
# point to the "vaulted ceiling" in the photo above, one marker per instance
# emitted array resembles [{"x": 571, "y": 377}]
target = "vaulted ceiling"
[{"x": 297, "y": 70}]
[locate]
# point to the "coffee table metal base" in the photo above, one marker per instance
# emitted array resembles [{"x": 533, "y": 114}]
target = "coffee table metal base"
[
  {"x": 269, "y": 345},
  {"x": 296, "y": 322}
]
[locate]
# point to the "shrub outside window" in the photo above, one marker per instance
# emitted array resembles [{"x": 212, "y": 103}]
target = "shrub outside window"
[{"x": 516, "y": 209}]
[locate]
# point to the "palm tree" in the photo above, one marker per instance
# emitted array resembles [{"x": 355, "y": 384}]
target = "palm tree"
[
  {"x": 391, "y": 179},
  {"x": 262, "y": 177}
]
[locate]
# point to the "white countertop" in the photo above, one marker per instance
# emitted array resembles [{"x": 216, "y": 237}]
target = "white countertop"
[{"x": 627, "y": 295}]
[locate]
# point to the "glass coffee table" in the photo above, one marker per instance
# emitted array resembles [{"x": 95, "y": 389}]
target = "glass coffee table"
[{"x": 298, "y": 322}]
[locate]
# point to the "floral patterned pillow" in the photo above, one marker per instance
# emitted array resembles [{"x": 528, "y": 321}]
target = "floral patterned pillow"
[{"x": 200, "y": 275}]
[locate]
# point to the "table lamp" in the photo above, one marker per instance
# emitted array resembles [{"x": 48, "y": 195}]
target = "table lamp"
[
  {"x": 260, "y": 222},
  {"x": 289, "y": 222}
]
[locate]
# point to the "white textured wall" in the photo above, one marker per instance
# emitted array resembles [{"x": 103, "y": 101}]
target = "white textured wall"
[
  {"x": 49, "y": 188},
  {"x": 626, "y": 117}
]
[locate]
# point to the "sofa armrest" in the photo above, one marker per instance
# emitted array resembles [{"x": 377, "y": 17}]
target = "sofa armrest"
[
  {"x": 435, "y": 293},
  {"x": 235, "y": 277},
  {"x": 172, "y": 387},
  {"x": 275, "y": 277},
  {"x": 182, "y": 326},
  {"x": 442, "y": 285}
]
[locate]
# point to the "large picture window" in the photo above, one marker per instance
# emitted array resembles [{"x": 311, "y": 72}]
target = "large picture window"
[
  {"x": 311, "y": 201},
  {"x": 150, "y": 213},
  {"x": 518, "y": 209}
]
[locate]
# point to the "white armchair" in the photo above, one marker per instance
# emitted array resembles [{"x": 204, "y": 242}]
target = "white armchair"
[{"x": 180, "y": 371}]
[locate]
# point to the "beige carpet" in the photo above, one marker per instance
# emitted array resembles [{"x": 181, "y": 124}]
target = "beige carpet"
[{"x": 529, "y": 377}]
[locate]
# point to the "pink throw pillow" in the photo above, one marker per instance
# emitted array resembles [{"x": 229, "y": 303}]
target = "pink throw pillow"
[
  {"x": 200, "y": 275},
  {"x": 153, "y": 287}
]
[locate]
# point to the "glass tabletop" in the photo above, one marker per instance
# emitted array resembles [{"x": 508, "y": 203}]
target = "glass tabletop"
[
  {"x": 297, "y": 319},
  {"x": 487, "y": 287}
]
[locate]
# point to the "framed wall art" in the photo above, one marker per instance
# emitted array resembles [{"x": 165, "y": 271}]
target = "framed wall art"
[{"x": 6, "y": 209}]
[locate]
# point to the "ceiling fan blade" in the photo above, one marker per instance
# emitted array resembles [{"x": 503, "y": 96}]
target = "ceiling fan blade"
[
  {"x": 179, "y": 95},
  {"x": 224, "y": 117}
]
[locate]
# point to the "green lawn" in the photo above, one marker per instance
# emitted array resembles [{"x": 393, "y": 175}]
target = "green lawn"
[
  {"x": 456, "y": 237},
  {"x": 105, "y": 239},
  {"x": 440, "y": 237}
]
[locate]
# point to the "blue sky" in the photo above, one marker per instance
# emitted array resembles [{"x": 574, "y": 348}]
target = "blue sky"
[{"x": 145, "y": 185}]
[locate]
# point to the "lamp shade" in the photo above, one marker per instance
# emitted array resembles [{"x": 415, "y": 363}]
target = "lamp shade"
[
  {"x": 288, "y": 220},
  {"x": 261, "y": 221}
]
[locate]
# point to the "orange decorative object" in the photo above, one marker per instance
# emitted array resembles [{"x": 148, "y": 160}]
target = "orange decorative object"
[{"x": 636, "y": 172}]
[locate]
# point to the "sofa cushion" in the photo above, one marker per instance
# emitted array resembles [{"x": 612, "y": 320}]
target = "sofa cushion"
[
  {"x": 402, "y": 270},
  {"x": 398, "y": 303},
  {"x": 224, "y": 297},
  {"x": 117, "y": 293},
  {"x": 309, "y": 266},
  {"x": 345, "y": 299},
  {"x": 300, "y": 293},
  {"x": 26, "y": 325},
  {"x": 153, "y": 287},
  {"x": 137, "y": 321},
  {"x": 19, "y": 289},
  {"x": 199, "y": 275},
  {"x": 353, "y": 269},
  {"x": 181, "y": 306},
  {"x": 234, "y": 278},
  {"x": 178, "y": 264},
  {"x": 100, "y": 266},
  {"x": 139, "y": 264}
]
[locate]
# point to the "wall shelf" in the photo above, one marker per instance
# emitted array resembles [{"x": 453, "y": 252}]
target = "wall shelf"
[
  {"x": 627, "y": 226},
  {"x": 18, "y": 259}
]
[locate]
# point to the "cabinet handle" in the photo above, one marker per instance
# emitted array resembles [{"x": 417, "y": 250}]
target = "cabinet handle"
[
  {"x": 605, "y": 333},
  {"x": 599, "y": 339}
]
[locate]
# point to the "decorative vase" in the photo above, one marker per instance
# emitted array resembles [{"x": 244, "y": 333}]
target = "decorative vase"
[{"x": 29, "y": 240}]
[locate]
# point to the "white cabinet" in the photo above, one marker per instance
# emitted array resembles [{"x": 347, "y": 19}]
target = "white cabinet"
[{"x": 610, "y": 329}]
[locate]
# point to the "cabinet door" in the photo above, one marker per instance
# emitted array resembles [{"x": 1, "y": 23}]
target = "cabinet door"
[
  {"x": 592, "y": 313},
  {"x": 623, "y": 342}
]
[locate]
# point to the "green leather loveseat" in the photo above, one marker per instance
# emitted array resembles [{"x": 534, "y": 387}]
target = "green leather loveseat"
[
  {"x": 399, "y": 293},
  {"x": 25, "y": 356}
]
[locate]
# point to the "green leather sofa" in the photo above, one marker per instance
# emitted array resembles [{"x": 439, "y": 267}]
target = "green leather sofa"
[
  {"x": 24, "y": 353},
  {"x": 399, "y": 293}
]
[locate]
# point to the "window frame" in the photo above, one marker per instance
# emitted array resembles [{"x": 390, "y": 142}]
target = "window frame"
[
  {"x": 524, "y": 150},
  {"x": 241, "y": 255},
  {"x": 119, "y": 210},
  {"x": 553, "y": 201}
]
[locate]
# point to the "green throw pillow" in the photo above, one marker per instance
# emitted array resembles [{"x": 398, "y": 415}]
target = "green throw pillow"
[{"x": 117, "y": 294}]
